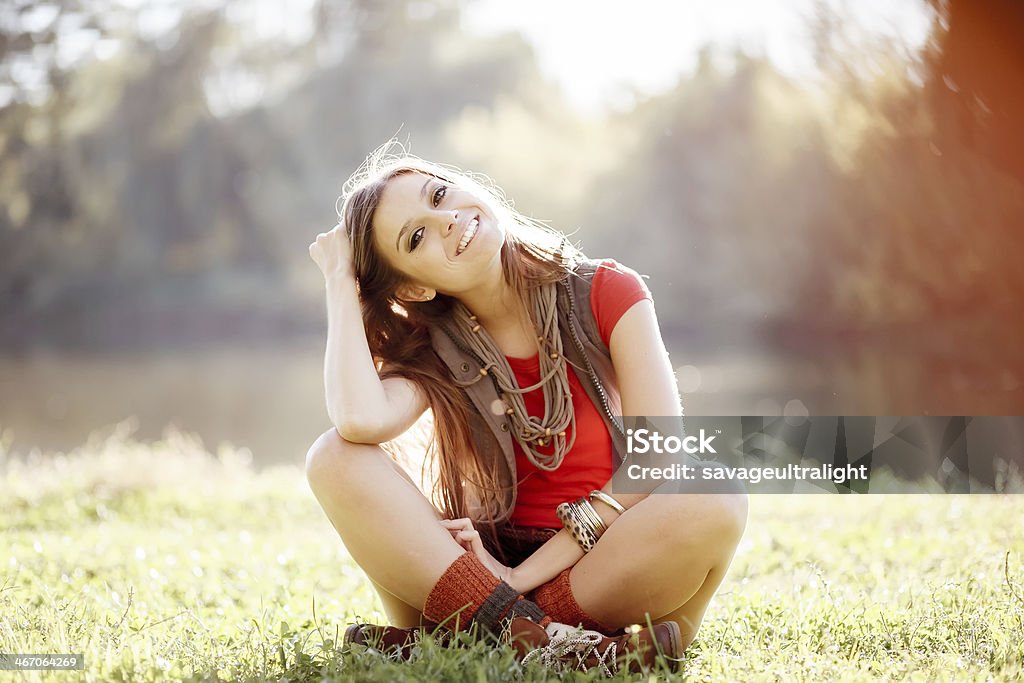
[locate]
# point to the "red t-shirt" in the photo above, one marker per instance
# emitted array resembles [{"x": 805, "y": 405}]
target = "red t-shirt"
[{"x": 588, "y": 465}]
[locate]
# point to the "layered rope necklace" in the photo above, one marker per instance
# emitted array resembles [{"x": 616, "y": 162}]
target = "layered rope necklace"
[{"x": 557, "y": 428}]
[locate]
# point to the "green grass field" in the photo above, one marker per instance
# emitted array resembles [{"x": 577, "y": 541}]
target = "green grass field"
[{"x": 162, "y": 562}]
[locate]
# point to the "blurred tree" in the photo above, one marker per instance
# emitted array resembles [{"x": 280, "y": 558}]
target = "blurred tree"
[
  {"x": 934, "y": 201},
  {"x": 715, "y": 199},
  {"x": 879, "y": 208},
  {"x": 38, "y": 205},
  {"x": 925, "y": 221},
  {"x": 974, "y": 78}
]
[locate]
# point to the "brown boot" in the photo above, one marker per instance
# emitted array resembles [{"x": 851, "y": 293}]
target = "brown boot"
[
  {"x": 394, "y": 640},
  {"x": 561, "y": 647}
]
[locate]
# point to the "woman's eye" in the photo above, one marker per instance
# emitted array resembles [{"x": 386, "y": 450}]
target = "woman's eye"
[
  {"x": 415, "y": 239},
  {"x": 439, "y": 194}
]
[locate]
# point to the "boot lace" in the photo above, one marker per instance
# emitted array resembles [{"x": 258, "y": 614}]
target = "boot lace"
[{"x": 567, "y": 642}]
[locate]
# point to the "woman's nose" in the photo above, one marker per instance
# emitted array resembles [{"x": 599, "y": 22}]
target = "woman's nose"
[{"x": 449, "y": 219}]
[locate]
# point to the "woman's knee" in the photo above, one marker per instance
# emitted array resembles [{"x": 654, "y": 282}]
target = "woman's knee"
[
  {"x": 322, "y": 456},
  {"x": 726, "y": 515},
  {"x": 350, "y": 471},
  {"x": 333, "y": 462},
  {"x": 716, "y": 518},
  {"x": 732, "y": 511}
]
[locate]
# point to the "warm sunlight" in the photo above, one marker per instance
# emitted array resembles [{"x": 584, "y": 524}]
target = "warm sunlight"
[{"x": 600, "y": 52}]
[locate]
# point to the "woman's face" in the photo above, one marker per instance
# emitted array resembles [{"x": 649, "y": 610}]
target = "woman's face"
[{"x": 442, "y": 237}]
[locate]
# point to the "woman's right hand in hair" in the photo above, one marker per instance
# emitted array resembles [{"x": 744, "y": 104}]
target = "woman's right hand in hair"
[{"x": 333, "y": 253}]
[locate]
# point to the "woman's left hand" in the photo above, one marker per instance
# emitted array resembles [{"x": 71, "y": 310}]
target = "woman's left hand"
[{"x": 469, "y": 538}]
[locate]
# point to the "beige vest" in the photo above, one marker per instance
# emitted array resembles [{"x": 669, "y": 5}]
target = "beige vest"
[{"x": 586, "y": 353}]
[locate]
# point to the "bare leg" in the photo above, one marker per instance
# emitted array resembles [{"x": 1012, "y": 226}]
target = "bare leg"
[
  {"x": 399, "y": 613},
  {"x": 664, "y": 557},
  {"x": 691, "y": 614},
  {"x": 385, "y": 522}
]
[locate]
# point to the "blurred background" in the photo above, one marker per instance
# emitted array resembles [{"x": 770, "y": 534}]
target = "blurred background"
[{"x": 827, "y": 196}]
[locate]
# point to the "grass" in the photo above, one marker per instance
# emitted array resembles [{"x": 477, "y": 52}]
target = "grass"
[{"x": 163, "y": 562}]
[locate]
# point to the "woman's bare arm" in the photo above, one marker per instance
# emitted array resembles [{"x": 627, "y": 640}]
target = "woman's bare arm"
[{"x": 362, "y": 407}]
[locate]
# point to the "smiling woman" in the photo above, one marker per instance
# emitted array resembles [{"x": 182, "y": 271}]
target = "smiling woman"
[
  {"x": 438, "y": 221},
  {"x": 441, "y": 296}
]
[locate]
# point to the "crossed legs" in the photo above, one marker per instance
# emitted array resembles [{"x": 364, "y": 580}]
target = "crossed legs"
[{"x": 665, "y": 557}]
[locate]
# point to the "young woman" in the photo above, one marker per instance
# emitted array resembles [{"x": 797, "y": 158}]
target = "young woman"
[{"x": 441, "y": 296}]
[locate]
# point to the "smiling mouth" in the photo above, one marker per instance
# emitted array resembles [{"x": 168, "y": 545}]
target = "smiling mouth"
[{"x": 467, "y": 236}]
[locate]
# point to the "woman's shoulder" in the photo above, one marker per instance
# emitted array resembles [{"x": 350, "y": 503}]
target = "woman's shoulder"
[
  {"x": 597, "y": 275},
  {"x": 609, "y": 273},
  {"x": 590, "y": 268},
  {"x": 611, "y": 288}
]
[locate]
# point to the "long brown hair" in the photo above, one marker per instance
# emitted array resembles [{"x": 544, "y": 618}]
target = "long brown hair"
[{"x": 398, "y": 333}]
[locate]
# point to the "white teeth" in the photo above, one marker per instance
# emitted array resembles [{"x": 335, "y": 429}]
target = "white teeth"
[{"x": 467, "y": 236}]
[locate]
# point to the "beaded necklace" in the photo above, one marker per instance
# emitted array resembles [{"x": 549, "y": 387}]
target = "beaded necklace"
[{"x": 558, "y": 425}]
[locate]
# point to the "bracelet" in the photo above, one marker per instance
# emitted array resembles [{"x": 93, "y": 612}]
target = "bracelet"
[
  {"x": 608, "y": 500},
  {"x": 582, "y": 521}
]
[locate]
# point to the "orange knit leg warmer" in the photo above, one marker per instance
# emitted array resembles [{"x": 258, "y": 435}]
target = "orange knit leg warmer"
[
  {"x": 556, "y": 599},
  {"x": 468, "y": 591}
]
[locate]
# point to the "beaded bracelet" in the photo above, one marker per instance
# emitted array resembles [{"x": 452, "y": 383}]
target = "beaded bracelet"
[{"x": 582, "y": 521}]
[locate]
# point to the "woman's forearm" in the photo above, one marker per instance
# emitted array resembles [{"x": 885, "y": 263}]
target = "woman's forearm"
[
  {"x": 562, "y": 551},
  {"x": 356, "y": 398}
]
